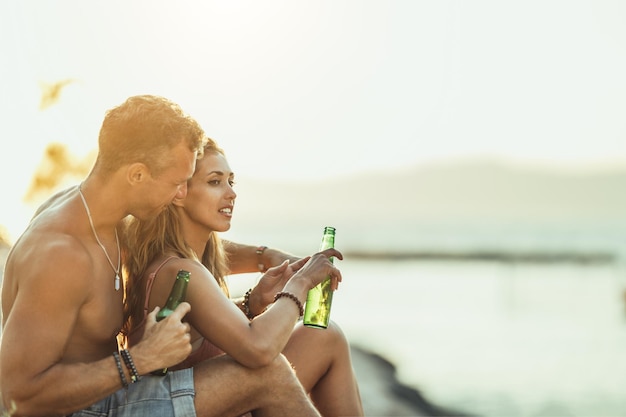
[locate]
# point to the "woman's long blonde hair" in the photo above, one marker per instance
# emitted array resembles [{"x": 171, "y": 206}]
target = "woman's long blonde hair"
[{"x": 145, "y": 240}]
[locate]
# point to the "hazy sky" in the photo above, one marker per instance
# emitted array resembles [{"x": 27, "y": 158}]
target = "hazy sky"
[{"x": 298, "y": 90}]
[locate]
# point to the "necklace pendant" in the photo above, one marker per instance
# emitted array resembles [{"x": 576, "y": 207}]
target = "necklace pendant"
[{"x": 117, "y": 282}]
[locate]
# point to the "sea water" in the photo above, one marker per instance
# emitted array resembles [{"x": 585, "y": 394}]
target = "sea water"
[{"x": 494, "y": 338}]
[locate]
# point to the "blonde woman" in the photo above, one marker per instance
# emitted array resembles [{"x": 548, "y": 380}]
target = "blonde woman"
[{"x": 266, "y": 323}]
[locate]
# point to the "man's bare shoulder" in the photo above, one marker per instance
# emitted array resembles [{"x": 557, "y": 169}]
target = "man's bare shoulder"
[
  {"x": 51, "y": 243},
  {"x": 46, "y": 267},
  {"x": 55, "y": 199},
  {"x": 46, "y": 251}
]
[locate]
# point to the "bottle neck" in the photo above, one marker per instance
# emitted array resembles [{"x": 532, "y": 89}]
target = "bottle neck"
[{"x": 328, "y": 239}]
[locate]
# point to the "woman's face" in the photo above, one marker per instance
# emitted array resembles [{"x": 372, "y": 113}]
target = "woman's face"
[{"x": 210, "y": 196}]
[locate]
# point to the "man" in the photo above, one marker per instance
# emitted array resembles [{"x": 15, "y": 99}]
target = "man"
[{"x": 62, "y": 298}]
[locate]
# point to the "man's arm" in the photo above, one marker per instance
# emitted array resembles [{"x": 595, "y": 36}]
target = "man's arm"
[
  {"x": 244, "y": 258},
  {"x": 37, "y": 331},
  {"x": 52, "y": 361}
]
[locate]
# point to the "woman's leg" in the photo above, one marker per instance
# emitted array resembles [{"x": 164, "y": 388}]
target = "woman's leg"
[{"x": 321, "y": 359}]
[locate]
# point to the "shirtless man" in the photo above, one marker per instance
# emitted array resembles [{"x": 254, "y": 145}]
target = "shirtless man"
[{"x": 62, "y": 303}]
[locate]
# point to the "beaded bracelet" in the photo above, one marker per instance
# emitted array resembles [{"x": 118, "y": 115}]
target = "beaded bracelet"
[
  {"x": 119, "y": 369},
  {"x": 293, "y": 297},
  {"x": 130, "y": 364},
  {"x": 246, "y": 304}
]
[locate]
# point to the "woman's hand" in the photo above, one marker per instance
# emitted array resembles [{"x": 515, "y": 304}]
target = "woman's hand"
[
  {"x": 271, "y": 282},
  {"x": 318, "y": 267}
]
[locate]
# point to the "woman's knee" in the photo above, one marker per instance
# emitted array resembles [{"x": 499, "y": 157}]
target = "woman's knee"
[
  {"x": 333, "y": 336},
  {"x": 337, "y": 333}
]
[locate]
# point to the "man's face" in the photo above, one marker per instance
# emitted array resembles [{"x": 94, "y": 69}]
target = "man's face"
[{"x": 159, "y": 191}]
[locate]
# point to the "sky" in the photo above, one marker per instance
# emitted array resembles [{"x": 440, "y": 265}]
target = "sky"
[{"x": 303, "y": 91}]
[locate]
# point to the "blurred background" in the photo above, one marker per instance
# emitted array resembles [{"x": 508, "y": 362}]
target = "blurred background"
[{"x": 471, "y": 155}]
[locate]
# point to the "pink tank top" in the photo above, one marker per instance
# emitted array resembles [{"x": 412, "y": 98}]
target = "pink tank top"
[{"x": 206, "y": 350}]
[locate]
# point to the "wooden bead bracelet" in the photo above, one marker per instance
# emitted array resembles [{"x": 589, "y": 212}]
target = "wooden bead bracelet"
[{"x": 293, "y": 297}]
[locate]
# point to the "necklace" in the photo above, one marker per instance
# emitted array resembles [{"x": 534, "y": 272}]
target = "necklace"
[{"x": 117, "y": 241}]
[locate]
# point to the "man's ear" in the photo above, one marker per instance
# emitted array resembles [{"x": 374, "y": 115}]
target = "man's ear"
[
  {"x": 137, "y": 173},
  {"x": 178, "y": 202}
]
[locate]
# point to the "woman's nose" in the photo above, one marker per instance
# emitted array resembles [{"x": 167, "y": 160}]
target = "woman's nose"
[{"x": 232, "y": 194}]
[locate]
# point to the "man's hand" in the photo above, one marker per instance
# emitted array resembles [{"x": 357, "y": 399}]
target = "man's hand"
[
  {"x": 275, "y": 257},
  {"x": 165, "y": 343}
]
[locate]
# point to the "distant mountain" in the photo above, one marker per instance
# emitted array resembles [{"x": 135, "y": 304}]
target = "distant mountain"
[
  {"x": 474, "y": 206},
  {"x": 463, "y": 204}
]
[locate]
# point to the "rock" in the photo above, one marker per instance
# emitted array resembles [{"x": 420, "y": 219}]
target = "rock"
[{"x": 383, "y": 395}]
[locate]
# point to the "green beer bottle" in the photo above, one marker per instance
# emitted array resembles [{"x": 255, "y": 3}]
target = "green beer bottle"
[
  {"x": 177, "y": 296},
  {"x": 320, "y": 297}
]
